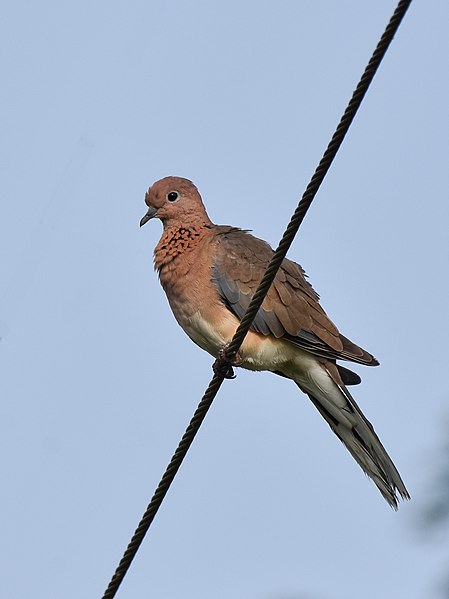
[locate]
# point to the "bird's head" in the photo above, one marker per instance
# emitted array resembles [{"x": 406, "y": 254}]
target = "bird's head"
[{"x": 176, "y": 202}]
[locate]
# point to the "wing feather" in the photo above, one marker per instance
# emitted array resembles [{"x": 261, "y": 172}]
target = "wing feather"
[{"x": 291, "y": 308}]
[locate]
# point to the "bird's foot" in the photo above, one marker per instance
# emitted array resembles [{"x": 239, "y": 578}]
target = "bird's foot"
[{"x": 223, "y": 366}]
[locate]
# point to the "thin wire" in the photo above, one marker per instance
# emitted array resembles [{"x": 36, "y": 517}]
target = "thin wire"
[
  {"x": 318, "y": 177},
  {"x": 258, "y": 297}
]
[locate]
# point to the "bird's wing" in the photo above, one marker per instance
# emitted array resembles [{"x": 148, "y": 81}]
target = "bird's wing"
[{"x": 291, "y": 309}]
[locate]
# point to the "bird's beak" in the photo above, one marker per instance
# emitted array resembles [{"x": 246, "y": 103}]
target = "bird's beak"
[{"x": 151, "y": 213}]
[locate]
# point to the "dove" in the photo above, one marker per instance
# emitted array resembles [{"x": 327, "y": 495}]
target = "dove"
[{"x": 209, "y": 274}]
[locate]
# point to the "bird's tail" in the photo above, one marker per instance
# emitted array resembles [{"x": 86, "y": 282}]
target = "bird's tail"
[{"x": 341, "y": 412}]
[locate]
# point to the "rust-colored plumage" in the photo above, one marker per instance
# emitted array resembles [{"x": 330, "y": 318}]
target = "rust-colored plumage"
[{"x": 210, "y": 273}]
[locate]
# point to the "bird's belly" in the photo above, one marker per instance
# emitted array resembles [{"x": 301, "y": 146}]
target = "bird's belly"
[
  {"x": 258, "y": 352},
  {"x": 210, "y": 337}
]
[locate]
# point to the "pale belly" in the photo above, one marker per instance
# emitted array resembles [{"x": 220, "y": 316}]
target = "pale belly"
[{"x": 258, "y": 352}]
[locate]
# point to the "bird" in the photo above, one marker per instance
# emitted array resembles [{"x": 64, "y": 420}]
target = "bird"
[{"x": 209, "y": 274}]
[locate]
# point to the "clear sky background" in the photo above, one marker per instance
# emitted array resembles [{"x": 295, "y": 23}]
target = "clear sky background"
[{"x": 100, "y": 99}]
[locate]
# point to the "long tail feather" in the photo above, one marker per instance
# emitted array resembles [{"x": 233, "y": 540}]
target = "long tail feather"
[{"x": 341, "y": 412}]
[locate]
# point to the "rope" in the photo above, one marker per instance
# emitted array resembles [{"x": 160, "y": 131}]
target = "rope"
[{"x": 257, "y": 299}]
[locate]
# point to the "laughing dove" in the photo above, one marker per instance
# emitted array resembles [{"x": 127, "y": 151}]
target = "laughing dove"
[{"x": 209, "y": 274}]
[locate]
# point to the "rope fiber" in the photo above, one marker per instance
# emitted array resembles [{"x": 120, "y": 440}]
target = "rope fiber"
[{"x": 223, "y": 366}]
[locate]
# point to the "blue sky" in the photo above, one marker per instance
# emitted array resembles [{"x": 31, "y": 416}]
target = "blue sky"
[{"x": 97, "y": 380}]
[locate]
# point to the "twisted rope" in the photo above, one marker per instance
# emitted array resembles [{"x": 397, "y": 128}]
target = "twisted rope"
[{"x": 258, "y": 298}]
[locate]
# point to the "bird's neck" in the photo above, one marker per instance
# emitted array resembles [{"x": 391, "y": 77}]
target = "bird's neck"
[{"x": 178, "y": 242}]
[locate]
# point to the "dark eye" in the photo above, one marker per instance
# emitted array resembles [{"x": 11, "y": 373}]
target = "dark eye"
[{"x": 172, "y": 196}]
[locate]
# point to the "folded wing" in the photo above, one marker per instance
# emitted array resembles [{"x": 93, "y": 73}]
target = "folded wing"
[{"x": 291, "y": 309}]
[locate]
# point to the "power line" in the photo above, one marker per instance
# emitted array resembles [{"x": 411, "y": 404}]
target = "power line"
[{"x": 223, "y": 365}]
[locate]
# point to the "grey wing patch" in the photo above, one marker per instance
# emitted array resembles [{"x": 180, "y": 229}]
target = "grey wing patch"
[
  {"x": 228, "y": 288},
  {"x": 238, "y": 302}
]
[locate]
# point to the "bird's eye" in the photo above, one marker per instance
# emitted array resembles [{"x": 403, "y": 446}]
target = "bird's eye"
[{"x": 172, "y": 196}]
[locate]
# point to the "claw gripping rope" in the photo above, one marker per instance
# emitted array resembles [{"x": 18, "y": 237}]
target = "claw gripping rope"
[{"x": 224, "y": 364}]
